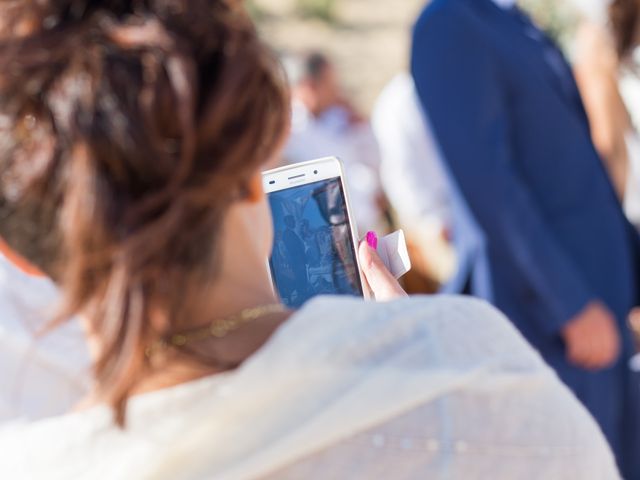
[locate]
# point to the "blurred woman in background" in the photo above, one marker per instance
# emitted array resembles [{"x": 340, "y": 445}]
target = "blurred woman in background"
[
  {"x": 607, "y": 37},
  {"x": 132, "y": 137}
]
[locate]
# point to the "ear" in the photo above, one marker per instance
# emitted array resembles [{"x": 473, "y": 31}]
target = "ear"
[
  {"x": 19, "y": 261},
  {"x": 255, "y": 191}
]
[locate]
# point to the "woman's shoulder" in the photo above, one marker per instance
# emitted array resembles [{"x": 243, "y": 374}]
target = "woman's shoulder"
[
  {"x": 438, "y": 310},
  {"x": 442, "y": 329}
]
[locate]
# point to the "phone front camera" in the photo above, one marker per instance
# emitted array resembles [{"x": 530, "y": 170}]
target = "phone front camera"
[{"x": 315, "y": 171}]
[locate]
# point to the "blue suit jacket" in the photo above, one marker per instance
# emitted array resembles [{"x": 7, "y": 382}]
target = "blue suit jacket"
[{"x": 512, "y": 127}]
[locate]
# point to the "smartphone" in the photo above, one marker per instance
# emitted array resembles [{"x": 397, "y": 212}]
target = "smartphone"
[{"x": 314, "y": 250}]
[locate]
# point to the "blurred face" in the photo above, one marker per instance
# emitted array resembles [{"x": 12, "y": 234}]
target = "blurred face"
[
  {"x": 320, "y": 93},
  {"x": 326, "y": 89}
]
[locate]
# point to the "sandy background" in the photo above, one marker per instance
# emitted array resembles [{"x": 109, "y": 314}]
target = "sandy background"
[{"x": 368, "y": 40}]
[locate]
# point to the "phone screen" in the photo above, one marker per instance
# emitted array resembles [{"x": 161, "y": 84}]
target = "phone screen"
[{"x": 313, "y": 252}]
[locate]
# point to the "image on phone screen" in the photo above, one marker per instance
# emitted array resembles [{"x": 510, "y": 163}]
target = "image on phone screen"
[{"x": 313, "y": 252}]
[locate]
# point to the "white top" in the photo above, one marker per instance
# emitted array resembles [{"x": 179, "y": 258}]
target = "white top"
[
  {"x": 418, "y": 184},
  {"x": 412, "y": 171},
  {"x": 332, "y": 135},
  {"x": 39, "y": 375},
  {"x": 424, "y": 387}
]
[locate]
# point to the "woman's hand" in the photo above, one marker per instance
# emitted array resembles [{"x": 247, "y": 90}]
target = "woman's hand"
[{"x": 380, "y": 281}]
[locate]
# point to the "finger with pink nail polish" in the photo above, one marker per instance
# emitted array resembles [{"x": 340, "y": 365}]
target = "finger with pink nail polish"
[{"x": 372, "y": 239}]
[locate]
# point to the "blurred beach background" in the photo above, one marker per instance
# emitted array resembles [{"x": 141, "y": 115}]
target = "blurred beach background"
[{"x": 368, "y": 40}]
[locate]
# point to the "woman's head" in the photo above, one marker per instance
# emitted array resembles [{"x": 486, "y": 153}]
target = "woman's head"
[
  {"x": 128, "y": 129},
  {"x": 624, "y": 18}
]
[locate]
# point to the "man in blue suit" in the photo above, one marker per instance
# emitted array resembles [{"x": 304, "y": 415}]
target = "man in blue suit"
[{"x": 510, "y": 121}]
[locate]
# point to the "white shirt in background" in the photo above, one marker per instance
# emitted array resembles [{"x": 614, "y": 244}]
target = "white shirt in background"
[
  {"x": 43, "y": 375},
  {"x": 332, "y": 135},
  {"x": 424, "y": 387},
  {"x": 419, "y": 186}
]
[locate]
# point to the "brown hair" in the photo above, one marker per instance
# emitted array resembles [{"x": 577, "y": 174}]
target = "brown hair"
[
  {"x": 624, "y": 16},
  {"x": 127, "y": 128}
]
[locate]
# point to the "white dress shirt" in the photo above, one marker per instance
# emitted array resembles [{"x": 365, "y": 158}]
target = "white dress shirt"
[
  {"x": 424, "y": 387},
  {"x": 40, "y": 375},
  {"x": 419, "y": 186}
]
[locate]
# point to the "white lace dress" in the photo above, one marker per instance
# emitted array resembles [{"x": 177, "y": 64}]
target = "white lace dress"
[{"x": 437, "y": 388}]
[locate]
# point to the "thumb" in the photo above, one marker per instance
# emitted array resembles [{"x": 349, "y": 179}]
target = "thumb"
[{"x": 383, "y": 285}]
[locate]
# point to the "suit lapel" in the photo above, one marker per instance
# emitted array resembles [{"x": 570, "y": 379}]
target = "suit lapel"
[{"x": 536, "y": 50}]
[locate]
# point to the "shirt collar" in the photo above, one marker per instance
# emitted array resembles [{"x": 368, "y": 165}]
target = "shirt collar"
[{"x": 505, "y": 4}]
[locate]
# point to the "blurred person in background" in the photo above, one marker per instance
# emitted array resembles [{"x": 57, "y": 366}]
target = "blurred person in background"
[
  {"x": 133, "y": 138},
  {"x": 447, "y": 246},
  {"x": 608, "y": 76},
  {"x": 324, "y": 123},
  {"x": 607, "y": 37},
  {"x": 41, "y": 375},
  {"x": 508, "y": 116}
]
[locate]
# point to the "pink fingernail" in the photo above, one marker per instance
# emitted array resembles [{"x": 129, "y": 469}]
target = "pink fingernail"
[{"x": 372, "y": 240}]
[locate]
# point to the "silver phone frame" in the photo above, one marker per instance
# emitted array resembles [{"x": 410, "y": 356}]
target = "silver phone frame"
[{"x": 312, "y": 171}]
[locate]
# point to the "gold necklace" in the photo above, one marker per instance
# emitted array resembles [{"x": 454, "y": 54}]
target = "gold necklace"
[{"x": 218, "y": 328}]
